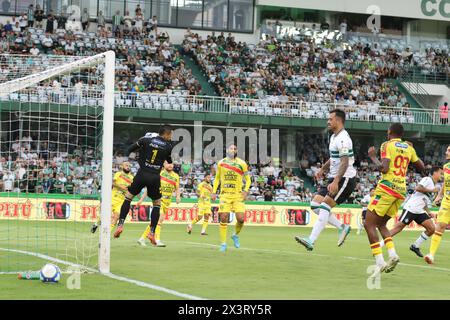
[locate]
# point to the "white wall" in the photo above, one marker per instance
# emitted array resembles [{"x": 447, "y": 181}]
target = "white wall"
[
  {"x": 438, "y": 94},
  {"x": 396, "y": 8}
]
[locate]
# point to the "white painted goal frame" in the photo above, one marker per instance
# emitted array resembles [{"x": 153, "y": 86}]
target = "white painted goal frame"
[{"x": 108, "y": 59}]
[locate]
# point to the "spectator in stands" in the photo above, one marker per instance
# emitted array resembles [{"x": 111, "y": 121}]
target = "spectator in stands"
[
  {"x": 139, "y": 21},
  {"x": 443, "y": 112},
  {"x": 39, "y": 16},
  {"x": 85, "y": 19},
  {"x": 117, "y": 22},
  {"x": 268, "y": 195},
  {"x": 343, "y": 28},
  {"x": 30, "y": 14},
  {"x": 101, "y": 21},
  {"x": 152, "y": 24},
  {"x": 127, "y": 23},
  {"x": 23, "y": 22},
  {"x": 16, "y": 28},
  {"x": 34, "y": 51},
  {"x": 50, "y": 22}
]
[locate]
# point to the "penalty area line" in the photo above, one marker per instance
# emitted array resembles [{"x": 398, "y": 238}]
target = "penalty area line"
[{"x": 109, "y": 275}]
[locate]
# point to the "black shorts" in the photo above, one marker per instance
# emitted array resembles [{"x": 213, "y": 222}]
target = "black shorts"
[
  {"x": 346, "y": 187},
  {"x": 407, "y": 217},
  {"x": 149, "y": 180}
]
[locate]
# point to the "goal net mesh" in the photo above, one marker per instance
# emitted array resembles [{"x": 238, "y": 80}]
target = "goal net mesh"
[{"x": 51, "y": 113}]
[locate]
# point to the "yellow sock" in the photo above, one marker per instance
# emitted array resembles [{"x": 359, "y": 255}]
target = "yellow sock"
[
  {"x": 377, "y": 253},
  {"x": 158, "y": 232},
  {"x": 389, "y": 243},
  {"x": 239, "y": 226},
  {"x": 435, "y": 242},
  {"x": 376, "y": 249},
  {"x": 197, "y": 219},
  {"x": 223, "y": 232},
  {"x": 146, "y": 232},
  {"x": 112, "y": 226},
  {"x": 205, "y": 225}
]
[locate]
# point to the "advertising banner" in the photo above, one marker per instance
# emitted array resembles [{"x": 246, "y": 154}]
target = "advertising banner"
[{"x": 256, "y": 214}]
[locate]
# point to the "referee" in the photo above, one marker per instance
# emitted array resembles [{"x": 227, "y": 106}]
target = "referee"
[{"x": 153, "y": 152}]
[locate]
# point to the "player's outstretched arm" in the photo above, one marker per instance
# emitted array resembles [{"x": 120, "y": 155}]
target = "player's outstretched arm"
[
  {"x": 420, "y": 166},
  {"x": 134, "y": 147}
]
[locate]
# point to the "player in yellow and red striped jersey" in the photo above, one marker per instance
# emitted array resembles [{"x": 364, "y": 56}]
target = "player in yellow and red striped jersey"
[
  {"x": 443, "y": 218},
  {"x": 390, "y": 192},
  {"x": 170, "y": 183},
  {"x": 121, "y": 180},
  {"x": 204, "y": 192},
  {"x": 231, "y": 171}
]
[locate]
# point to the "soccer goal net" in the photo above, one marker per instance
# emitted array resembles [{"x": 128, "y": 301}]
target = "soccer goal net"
[{"x": 56, "y": 132}]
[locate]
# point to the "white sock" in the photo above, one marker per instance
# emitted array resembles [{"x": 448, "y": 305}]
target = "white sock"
[
  {"x": 379, "y": 260},
  {"x": 335, "y": 221},
  {"x": 392, "y": 253},
  {"x": 324, "y": 214},
  {"x": 315, "y": 207},
  {"x": 203, "y": 230},
  {"x": 423, "y": 237},
  {"x": 331, "y": 220},
  {"x": 381, "y": 243}
]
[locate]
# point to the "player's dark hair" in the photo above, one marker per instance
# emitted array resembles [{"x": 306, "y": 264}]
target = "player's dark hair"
[
  {"x": 434, "y": 169},
  {"x": 396, "y": 129},
  {"x": 164, "y": 129},
  {"x": 339, "y": 113}
]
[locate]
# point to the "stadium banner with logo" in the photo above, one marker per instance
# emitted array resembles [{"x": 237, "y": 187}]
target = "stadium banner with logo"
[{"x": 271, "y": 214}]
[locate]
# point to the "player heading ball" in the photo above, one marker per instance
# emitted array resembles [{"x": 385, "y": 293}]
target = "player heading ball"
[{"x": 153, "y": 151}]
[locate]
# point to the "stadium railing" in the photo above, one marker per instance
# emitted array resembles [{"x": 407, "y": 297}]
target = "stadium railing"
[{"x": 181, "y": 101}]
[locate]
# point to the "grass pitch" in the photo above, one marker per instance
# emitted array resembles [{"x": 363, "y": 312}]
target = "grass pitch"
[{"x": 269, "y": 265}]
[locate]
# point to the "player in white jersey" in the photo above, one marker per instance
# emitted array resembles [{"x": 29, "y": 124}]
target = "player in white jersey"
[
  {"x": 416, "y": 208},
  {"x": 364, "y": 203},
  {"x": 341, "y": 181}
]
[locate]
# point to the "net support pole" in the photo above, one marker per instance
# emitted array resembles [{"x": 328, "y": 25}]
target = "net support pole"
[{"x": 107, "y": 159}]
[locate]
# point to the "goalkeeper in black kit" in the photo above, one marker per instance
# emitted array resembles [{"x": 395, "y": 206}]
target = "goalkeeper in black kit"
[{"x": 153, "y": 152}]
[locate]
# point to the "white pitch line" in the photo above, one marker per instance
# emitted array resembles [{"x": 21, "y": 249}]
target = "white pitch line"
[
  {"x": 154, "y": 287},
  {"x": 109, "y": 275},
  {"x": 315, "y": 254}
]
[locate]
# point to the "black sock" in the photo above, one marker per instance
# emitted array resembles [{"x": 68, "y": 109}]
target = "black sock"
[
  {"x": 124, "y": 211},
  {"x": 154, "y": 218}
]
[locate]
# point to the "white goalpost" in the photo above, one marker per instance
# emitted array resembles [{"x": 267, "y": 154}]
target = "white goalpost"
[{"x": 56, "y": 133}]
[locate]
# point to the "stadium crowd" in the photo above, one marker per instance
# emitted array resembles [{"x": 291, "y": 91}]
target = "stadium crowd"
[
  {"x": 145, "y": 59},
  {"x": 35, "y": 166},
  {"x": 284, "y": 71},
  {"x": 306, "y": 71}
]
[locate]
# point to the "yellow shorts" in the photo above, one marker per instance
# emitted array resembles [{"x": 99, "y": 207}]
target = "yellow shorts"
[
  {"x": 384, "y": 204},
  {"x": 202, "y": 210},
  {"x": 444, "y": 214},
  {"x": 116, "y": 204},
  {"x": 165, "y": 205},
  {"x": 232, "y": 204}
]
